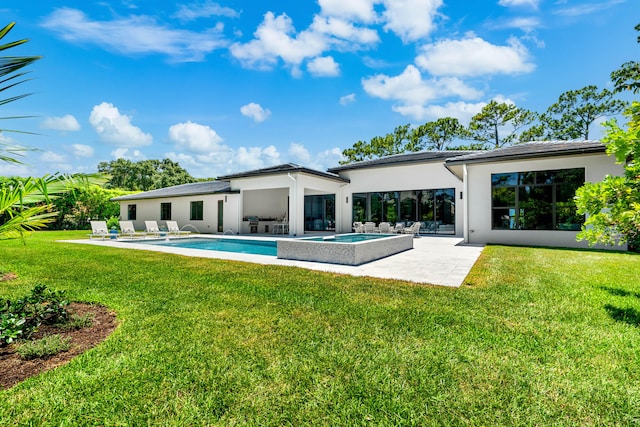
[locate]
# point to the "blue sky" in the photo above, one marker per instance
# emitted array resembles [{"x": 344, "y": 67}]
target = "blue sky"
[{"x": 226, "y": 86}]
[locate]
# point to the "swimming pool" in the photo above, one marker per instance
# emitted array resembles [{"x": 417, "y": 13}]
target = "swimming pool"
[{"x": 245, "y": 246}]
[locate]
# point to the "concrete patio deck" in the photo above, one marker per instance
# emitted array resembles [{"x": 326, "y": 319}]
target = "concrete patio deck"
[{"x": 436, "y": 260}]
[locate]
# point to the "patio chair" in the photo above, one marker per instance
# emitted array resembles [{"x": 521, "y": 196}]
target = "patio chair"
[
  {"x": 369, "y": 227},
  {"x": 384, "y": 227},
  {"x": 414, "y": 228},
  {"x": 172, "y": 227},
  {"x": 398, "y": 228},
  {"x": 100, "y": 229},
  {"x": 358, "y": 227},
  {"x": 152, "y": 228},
  {"x": 127, "y": 229}
]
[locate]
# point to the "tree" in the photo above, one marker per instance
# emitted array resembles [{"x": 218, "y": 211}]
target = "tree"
[
  {"x": 76, "y": 208},
  {"x": 402, "y": 140},
  {"x": 613, "y": 205},
  {"x": 439, "y": 134},
  {"x": 575, "y": 111},
  {"x": 144, "y": 175},
  {"x": 627, "y": 77},
  {"x": 25, "y": 203},
  {"x": 498, "y": 123}
]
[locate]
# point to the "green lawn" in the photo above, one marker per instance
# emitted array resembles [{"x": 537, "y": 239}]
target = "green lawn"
[{"x": 534, "y": 337}]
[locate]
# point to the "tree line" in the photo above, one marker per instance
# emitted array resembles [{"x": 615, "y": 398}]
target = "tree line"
[{"x": 498, "y": 124}]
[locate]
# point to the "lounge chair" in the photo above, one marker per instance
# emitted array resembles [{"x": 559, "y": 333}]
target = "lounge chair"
[
  {"x": 384, "y": 227},
  {"x": 414, "y": 229},
  {"x": 398, "y": 228},
  {"x": 369, "y": 227},
  {"x": 172, "y": 227},
  {"x": 127, "y": 229},
  {"x": 152, "y": 228},
  {"x": 358, "y": 227},
  {"x": 100, "y": 229}
]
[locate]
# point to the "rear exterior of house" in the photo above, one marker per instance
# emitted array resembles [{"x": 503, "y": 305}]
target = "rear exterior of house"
[
  {"x": 520, "y": 195},
  {"x": 523, "y": 194}
]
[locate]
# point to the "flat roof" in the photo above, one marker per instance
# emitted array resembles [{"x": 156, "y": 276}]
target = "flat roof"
[
  {"x": 398, "y": 159},
  {"x": 192, "y": 189},
  {"x": 529, "y": 150},
  {"x": 284, "y": 168}
]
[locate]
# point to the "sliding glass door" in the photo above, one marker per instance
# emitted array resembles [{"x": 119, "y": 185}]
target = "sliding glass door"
[{"x": 435, "y": 209}]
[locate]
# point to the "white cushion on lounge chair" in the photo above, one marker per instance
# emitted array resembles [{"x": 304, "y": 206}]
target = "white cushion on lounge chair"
[
  {"x": 127, "y": 229},
  {"x": 173, "y": 228},
  {"x": 152, "y": 227},
  {"x": 100, "y": 229}
]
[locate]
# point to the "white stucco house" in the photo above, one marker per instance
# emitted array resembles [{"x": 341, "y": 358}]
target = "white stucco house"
[{"x": 515, "y": 195}]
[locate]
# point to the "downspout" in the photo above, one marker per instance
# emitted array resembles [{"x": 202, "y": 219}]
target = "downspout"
[
  {"x": 294, "y": 202},
  {"x": 465, "y": 203}
]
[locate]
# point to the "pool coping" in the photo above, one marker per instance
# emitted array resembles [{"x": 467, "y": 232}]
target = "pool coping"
[{"x": 435, "y": 260}]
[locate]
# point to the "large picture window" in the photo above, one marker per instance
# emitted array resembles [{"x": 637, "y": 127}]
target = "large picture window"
[
  {"x": 435, "y": 209},
  {"x": 165, "y": 211},
  {"x": 540, "y": 200},
  {"x": 197, "y": 211}
]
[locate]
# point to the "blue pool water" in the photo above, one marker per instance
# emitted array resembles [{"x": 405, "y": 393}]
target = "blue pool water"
[
  {"x": 349, "y": 238},
  {"x": 257, "y": 247}
]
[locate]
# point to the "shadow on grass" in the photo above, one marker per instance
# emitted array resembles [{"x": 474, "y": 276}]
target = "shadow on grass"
[
  {"x": 620, "y": 292},
  {"x": 627, "y": 315}
]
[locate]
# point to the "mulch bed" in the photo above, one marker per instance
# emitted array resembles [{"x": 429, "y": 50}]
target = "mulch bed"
[{"x": 13, "y": 369}]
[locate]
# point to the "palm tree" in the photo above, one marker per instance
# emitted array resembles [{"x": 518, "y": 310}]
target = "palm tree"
[{"x": 25, "y": 203}]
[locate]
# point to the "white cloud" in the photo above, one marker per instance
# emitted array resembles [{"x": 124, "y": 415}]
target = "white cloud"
[
  {"x": 115, "y": 128},
  {"x": 587, "y": 8},
  {"x": 276, "y": 40},
  {"x": 473, "y": 56},
  {"x": 413, "y": 94},
  {"x": 323, "y": 67},
  {"x": 255, "y": 111},
  {"x": 526, "y": 24},
  {"x": 357, "y": 37},
  {"x": 207, "y": 9},
  {"x": 348, "y": 99},
  {"x": 13, "y": 169},
  {"x": 66, "y": 123},
  {"x": 256, "y": 157},
  {"x": 411, "y": 20},
  {"x": 357, "y": 10},
  {"x": 299, "y": 154},
  {"x": 410, "y": 88},
  {"x": 126, "y": 153},
  {"x": 518, "y": 3},
  {"x": 319, "y": 161},
  {"x": 81, "y": 150},
  {"x": 195, "y": 137},
  {"x": 273, "y": 40},
  {"x": 51, "y": 157},
  {"x": 462, "y": 111},
  {"x": 137, "y": 34}
]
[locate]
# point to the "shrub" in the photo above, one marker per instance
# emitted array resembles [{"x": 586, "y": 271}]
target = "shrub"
[
  {"x": 21, "y": 318},
  {"x": 78, "y": 322},
  {"x": 45, "y": 347}
]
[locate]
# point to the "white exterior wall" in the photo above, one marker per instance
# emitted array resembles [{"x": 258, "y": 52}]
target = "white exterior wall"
[
  {"x": 597, "y": 166},
  {"x": 407, "y": 177},
  {"x": 149, "y": 210},
  {"x": 267, "y": 196}
]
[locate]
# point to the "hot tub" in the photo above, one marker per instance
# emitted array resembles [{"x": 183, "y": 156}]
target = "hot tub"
[{"x": 346, "y": 249}]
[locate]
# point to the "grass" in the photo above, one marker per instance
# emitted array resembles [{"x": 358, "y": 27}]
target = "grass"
[
  {"x": 44, "y": 347},
  {"x": 534, "y": 337}
]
